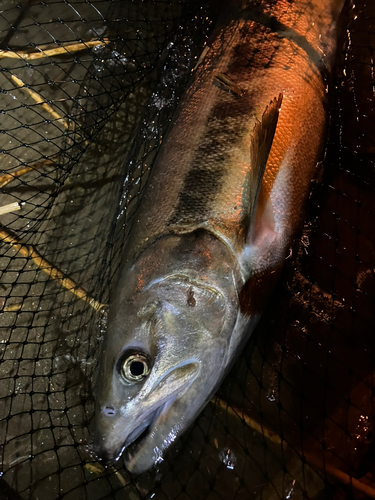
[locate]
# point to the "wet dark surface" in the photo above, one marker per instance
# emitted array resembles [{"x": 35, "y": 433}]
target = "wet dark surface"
[{"x": 307, "y": 374}]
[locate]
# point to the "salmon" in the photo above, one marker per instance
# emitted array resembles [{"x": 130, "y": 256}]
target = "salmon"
[{"x": 221, "y": 207}]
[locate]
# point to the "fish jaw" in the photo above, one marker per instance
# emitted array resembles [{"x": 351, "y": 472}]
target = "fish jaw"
[
  {"x": 120, "y": 429},
  {"x": 174, "y": 418}
]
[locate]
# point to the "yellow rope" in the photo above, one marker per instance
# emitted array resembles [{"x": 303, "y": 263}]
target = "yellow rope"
[
  {"x": 43, "y": 51},
  {"x": 310, "y": 459},
  {"x": 49, "y": 269}
]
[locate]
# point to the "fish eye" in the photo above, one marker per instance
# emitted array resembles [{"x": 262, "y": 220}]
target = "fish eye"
[{"x": 135, "y": 367}]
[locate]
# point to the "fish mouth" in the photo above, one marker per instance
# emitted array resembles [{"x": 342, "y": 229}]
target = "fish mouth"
[
  {"x": 136, "y": 438},
  {"x": 151, "y": 426},
  {"x": 153, "y": 418}
]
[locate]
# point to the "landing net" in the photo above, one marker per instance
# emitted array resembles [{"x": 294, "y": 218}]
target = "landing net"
[{"x": 87, "y": 91}]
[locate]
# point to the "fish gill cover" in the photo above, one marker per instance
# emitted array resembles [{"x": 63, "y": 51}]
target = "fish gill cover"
[{"x": 87, "y": 92}]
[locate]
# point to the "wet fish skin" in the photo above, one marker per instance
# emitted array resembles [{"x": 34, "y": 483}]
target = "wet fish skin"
[
  {"x": 201, "y": 256},
  {"x": 160, "y": 319}
]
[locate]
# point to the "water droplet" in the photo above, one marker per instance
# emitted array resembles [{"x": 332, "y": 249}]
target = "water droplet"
[{"x": 228, "y": 458}]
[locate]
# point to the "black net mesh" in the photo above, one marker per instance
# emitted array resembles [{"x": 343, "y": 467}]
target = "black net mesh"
[{"x": 87, "y": 91}]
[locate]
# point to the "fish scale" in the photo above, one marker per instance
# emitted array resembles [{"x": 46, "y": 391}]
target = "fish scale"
[{"x": 210, "y": 167}]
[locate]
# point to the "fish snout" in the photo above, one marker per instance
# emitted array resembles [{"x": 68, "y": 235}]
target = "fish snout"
[
  {"x": 98, "y": 446},
  {"x": 108, "y": 432}
]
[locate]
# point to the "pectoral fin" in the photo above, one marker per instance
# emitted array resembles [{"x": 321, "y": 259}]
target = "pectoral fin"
[{"x": 260, "y": 212}]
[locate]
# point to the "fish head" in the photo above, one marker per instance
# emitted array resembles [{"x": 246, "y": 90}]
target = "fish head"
[{"x": 163, "y": 356}]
